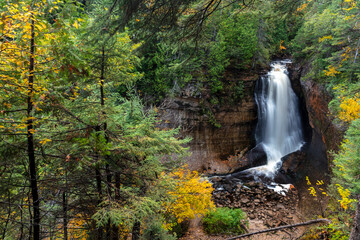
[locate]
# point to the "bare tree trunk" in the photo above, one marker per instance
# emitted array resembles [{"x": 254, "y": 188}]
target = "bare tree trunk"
[
  {"x": 280, "y": 228},
  {"x": 30, "y": 139},
  {"x": 99, "y": 190},
  {"x": 355, "y": 232},
  {"x": 111, "y": 230},
  {"x": 65, "y": 217},
  {"x": 108, "y": 187},
  {"x": 115, "y": 229},
  {"x": 8, "y": 217},
  {"x": 136, "y": 231},
  {"x": 21, "y": 221},
  {"x": 357, "y": 51}
]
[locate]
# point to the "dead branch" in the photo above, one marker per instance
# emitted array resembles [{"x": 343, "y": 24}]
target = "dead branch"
[{"x": 281, "y": 227}]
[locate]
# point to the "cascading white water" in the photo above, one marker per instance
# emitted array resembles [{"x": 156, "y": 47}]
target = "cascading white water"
[{"x": 279, "y": 126}]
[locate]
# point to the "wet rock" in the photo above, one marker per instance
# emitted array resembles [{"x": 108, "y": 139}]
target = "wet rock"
[
  {"x": 251, "y": 184},
  {"x": 216, "y": 179},
  {"x": 290, "y": 167},
  {"x": 280, "y": 206},
  {"x": 253, "y": 158},
  {"x": 228, "y": 187},
  {"x": 245, "y": 200},
  {"x": 259, "y": 202}
]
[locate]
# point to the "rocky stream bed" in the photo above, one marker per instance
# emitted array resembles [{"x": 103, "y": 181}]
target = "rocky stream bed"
[
  {"x": 265, "y": 208},
  {"x": 258, "y": 201}
]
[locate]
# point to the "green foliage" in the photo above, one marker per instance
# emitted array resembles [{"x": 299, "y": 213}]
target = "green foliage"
[
  {"x": 216, "y": 62},
  {"x": 347, "y": 161},
  {"x": 306, "y": 44},
  {"x": 327, "y": 40},
  {"x": 240, "y": 36},
  {"x": 210, "y": 115},
  {"x": 166, "y": 70},
  {"x": 230, "y": 38},
  {"x": 155, "y": 231},
  {"x": 338, "y": 208},
  {"x": 225, "y": 220},
  {"x": 238, "y": 91},
  {"x": 180, "y": 229}
]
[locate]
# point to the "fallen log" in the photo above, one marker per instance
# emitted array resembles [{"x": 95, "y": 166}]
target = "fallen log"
[{"x": 281, "y": 227}]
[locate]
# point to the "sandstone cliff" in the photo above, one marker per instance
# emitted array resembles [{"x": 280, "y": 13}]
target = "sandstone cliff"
[{"x": 211, "y": 146}]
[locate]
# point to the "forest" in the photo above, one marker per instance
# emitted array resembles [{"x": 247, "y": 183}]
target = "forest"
[{"x": 84, "y": 151}]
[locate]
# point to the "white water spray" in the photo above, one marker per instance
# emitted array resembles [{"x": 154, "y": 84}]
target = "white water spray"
[{"x": 279, "y": 126}]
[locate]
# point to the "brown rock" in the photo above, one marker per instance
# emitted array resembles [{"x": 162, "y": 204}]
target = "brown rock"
[{"x": 211, "y": 146}]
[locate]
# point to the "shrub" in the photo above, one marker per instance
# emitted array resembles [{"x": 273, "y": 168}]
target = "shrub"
[
  {"x": 225, "y": 220},
  {"x": 191, "y": 196},
  {"x": 155, "y": 231}
]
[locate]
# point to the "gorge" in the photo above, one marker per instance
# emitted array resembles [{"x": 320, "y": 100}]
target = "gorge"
[
  {"x": 125, "y": 119},
  {"x": 241, "y": 140},
  {"x": 287, "y": 147}
]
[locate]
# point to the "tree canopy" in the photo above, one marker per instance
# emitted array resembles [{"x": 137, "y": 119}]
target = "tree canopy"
[{"x": 83, "y": 153}]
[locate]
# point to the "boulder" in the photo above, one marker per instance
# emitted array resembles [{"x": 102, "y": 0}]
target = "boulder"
[
  {"x": 291, "y": 164},
  {"x": 292, "y": 161},
  {"x": 253, "y": 158}
]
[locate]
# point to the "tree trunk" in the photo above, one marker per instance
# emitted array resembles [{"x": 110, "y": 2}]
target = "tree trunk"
[
  {"x": 30, "y": 140},
  {"x": 99, "y": 190},
  {"x": 21, "y": 221},
  {"x": 108, "y": 187},
  {"x": 8, "y": 216},
  {"x": 136, "y": 231},
  {"x": 355, "y": 232},
  {"x": 65, "y": 218},
  {"x": 111, "y": 230},
  {"x": 115, "y": 229}
]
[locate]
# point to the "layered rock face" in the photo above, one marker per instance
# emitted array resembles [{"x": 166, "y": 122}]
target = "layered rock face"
[
  {"x": 225, "y": 149},
  {"x": 314, "y": 104},
  {"x": 322, "y": 135},
  {"x": 317, "y": 100},
  {"x": 212, "y": 145}
]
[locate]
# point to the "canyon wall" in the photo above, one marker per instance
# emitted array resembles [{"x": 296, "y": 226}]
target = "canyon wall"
[
  {"x": 222, "y": 134},
  {"x": 217, "y": 131},
  {"x": 325, "y": 135}
]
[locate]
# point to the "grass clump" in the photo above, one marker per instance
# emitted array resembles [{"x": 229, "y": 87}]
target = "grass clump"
[{"x": 225, "y": 221}]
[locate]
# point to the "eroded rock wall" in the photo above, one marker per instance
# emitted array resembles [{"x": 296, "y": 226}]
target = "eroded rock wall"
[
  {"x": 220, "y": 149},
  {"x": 211, "y": 146},
  {"x": 320, "y": 119},
  {"x": 314, "y": 104},
  {"x": 323, "y": 136}
]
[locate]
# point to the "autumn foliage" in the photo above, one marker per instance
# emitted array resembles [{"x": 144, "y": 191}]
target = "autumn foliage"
[
  {"x": 350, "y": 109},
  {"x": 191, "y": 195}
]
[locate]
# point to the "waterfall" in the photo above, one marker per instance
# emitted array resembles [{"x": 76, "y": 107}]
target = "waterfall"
[{"x": 279, "y": 127}]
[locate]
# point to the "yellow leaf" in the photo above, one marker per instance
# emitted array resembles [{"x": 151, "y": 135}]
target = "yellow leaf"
[
  {"x": 331, "y": 72},
  {"x": 76, "y": 25},
  {"x": 282, "y": 46},
  {"x": 324, "y": 38}
]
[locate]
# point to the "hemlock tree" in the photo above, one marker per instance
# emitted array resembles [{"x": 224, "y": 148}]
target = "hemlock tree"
[
  {"x": 24, "y": 66},
  {"x": 347, "y": 169}
]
